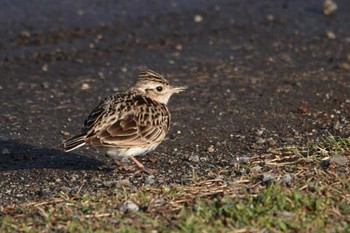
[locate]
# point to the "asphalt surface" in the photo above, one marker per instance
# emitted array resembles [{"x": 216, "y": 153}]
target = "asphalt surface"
[{"x": 261, "y": 74}]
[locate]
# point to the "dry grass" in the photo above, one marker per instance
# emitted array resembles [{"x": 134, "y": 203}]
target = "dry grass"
[{"x": 316, "y": 199}]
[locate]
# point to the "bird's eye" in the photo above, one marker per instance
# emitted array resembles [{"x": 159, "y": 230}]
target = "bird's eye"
[{"x": 159, "y": 89}]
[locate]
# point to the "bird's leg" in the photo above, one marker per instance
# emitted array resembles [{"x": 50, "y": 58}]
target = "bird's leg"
[{"x": 140, "y": 165}]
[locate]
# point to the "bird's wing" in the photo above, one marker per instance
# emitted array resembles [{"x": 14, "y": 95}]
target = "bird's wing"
[
  {"x": 95, "y": 116},
  {"x": 100, "y": 112},
  {"x": 142, "y": 123}
]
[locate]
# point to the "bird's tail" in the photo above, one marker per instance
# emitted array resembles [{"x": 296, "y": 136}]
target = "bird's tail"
[{"x": 74, "y": 142}]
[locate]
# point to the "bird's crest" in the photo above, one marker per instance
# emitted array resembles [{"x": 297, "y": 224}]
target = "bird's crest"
[{"x": 149, "y": 75}]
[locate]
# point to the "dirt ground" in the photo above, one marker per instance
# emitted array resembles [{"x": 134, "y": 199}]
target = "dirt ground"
[{"x": 261, "y": 74}]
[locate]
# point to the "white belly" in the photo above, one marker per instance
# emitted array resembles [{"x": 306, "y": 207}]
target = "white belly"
[{"x": 117, "y": 153}]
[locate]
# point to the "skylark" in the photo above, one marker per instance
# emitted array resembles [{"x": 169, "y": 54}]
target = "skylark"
[{"x": 130, "y": 123}]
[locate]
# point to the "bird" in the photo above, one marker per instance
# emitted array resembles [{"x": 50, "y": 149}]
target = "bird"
[{"x": 130, "y": 123}]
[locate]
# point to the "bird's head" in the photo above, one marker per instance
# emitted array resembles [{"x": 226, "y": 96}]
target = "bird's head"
[{"x": 155, "y": 86}]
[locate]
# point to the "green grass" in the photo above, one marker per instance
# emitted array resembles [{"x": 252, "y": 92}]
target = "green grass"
[{"x": 317, "y": 200}]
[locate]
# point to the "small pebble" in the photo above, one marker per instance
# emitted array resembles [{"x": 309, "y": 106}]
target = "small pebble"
[
  {"x": 243, "y": 159},
  {"x": 336, "y": 125},
  {"x": 194, "y": 158},
  {"x": 286, "y": 179},
  {"x": 99, "y": 37},
  {"x": 211, "y": 148},
  {"x": 129, "y": 206},
  {"x": 272, "y": 142},
  {"x": 256, "y": 169},
  {"x": 259, "y": 132},
  {"x": 45, "y": 67},
  {"x": 178, "y": 47},
  {"x": 270, "y": 18},
  {"x": 344, "y": 66},
  {"x": 268, "y": 177},
  {"x": 124, "y": 183},
  {"x": 45, "y": 85},
  {"x": 101, "y": 75},
  {"x": 25, "y": 34},
  {"x": 289, "y": 140},
  {"x": 150, "y": 180},
  {"x": 160, "y": 201},
  {"x": 66, "y": 189},
  {"x": 5, "y": 151},
  {"x": 329, "y": 7},
  {"x": 220, "y": 177},
  {"x": 85, "y": 86},
  {"x": 80, "y": 12},
  {"x": 285, "y": 214},
  {"x": 198, "y": 18},
  {"x": 65, "y": 133},
  {"x": 260, "y": 140},
  {"x": 330, "y": 35},
  {"x": 339, "y": 160},
  {"x": 108, "y": 184}
]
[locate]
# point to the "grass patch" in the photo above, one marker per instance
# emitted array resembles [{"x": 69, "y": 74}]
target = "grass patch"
[{"x": 316, "y": 200}]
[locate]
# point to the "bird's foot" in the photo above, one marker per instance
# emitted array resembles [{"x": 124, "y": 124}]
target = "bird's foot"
[
  {"x": 121, "y": 166},
  {"x": 132, "y": 168},
  {"x": 142, "y": 167},
  {"x": 146, "y": 170}
]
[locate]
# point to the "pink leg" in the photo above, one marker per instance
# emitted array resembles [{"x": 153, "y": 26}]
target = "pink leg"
[{"x": 140, "y": 165}]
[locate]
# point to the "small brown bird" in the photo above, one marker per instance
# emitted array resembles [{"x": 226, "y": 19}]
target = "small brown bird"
[{"x": 130, "y": 123}]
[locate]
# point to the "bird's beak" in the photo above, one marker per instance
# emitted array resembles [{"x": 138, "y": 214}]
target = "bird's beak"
[{"x": 179, "y": 89}]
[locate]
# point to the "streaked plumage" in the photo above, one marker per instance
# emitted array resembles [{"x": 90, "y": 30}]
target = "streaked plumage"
[{"x": 131, "y": 123}]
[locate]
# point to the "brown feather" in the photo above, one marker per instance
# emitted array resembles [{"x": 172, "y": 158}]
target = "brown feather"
[{"x": 131, "y": 126}]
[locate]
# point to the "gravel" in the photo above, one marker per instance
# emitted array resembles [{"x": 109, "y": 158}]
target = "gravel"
[{"x": 246, "y": 95}]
